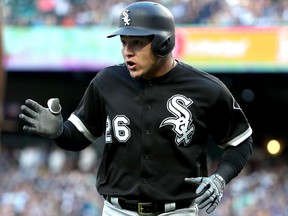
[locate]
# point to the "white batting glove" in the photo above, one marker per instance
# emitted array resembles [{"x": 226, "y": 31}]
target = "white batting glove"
[
  {"x": 210, "y": 191},
  {"x": 47, "y": 122}
]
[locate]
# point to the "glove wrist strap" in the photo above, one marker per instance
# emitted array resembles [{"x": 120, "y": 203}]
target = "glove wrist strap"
[{"x": 221, "y": 181}]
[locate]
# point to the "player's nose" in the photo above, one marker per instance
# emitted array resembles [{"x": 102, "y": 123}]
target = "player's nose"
[{"x": 128, "y": 50}]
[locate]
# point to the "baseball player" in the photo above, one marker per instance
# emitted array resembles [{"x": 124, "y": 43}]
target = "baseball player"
[{"x": 156, "y": 114}]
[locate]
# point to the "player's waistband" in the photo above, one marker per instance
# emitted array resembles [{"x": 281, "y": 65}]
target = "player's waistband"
[{"x": 147, "y": 208}]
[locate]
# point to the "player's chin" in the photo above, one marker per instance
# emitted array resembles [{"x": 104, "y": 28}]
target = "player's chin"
[{"x": 135, "y": 74}]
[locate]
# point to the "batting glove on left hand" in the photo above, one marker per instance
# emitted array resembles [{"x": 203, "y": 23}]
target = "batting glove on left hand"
[
  {"x": 47, "y": 122},
  {"x": 210, "y": 191}
]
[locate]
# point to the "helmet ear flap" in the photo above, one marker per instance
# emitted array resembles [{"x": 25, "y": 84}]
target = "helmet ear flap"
[{"x": 162, "y": 46}]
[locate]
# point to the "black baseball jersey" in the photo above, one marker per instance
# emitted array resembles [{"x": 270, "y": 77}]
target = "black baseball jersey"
[{"x": 156, "y": 131}]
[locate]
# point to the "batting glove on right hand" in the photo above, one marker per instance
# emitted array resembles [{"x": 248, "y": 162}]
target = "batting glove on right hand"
[
  {"x": 47, "y": 122},
  {"x": 210, "y": 191}
]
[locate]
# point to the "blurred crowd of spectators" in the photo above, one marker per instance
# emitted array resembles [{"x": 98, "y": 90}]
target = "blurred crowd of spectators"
[
  {"x": 106, "y": 12},
  {"x": 37, "y": 181},
  {"x": 40, "y": 182}
]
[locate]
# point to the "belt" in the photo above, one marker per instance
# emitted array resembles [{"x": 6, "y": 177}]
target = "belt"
[{"x": 147, "y": 208}]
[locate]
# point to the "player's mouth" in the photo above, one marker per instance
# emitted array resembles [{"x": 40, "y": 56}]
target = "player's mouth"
[{"x": 131, "y": 65}]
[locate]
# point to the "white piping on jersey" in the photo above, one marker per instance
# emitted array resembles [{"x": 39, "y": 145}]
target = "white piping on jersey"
[
  {"x": 81, "y": 127},
  {"x": 237, "y": 140}
]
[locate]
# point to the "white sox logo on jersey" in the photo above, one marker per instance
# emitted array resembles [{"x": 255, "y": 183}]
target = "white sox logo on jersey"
[
  {"x": 182, "y": 122},
  {"x": 125, "y": 17}
]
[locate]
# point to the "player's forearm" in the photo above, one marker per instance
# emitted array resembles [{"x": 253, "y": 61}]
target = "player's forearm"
[
  {"x": 234, "y": 160},
  {"x": 71, "y": 139}
]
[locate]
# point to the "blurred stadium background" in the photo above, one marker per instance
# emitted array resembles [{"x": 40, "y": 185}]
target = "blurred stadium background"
[{"x": 53, "y": 48}]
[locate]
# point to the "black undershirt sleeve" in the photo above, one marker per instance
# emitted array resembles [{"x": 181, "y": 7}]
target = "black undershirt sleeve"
[
  {"x": 71, "y": 138},
  {"x": 234, "y": 159}
]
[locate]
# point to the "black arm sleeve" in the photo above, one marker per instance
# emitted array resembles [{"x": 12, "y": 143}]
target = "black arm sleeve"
[
  {"x": 71, "y": 139},
  {"x": 234, "y": 159}
]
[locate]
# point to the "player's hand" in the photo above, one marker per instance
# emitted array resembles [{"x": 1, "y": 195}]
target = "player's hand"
[
  {"x": 210, "y": 191},
  {"x": 47, "y": 122}
]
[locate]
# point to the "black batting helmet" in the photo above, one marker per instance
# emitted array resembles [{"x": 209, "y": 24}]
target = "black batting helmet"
[{"x": 148, "y": 18}]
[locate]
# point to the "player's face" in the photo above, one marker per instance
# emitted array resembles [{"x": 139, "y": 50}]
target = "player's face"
[{"x": 139, "y": 58}]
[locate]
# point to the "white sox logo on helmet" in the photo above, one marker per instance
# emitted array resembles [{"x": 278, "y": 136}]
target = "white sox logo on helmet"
[
  {"x": 182, "y": 122},
  {"x": 125, "y": 17}
]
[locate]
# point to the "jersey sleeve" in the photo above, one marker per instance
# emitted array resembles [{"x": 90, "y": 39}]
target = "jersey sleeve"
[
  {"x": 228, "y": 124},
  {"x": 89, "y": 117}
]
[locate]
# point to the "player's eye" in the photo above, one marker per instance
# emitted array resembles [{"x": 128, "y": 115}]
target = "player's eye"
[
  {"x": 123, "y": 42},
  {"x": 138, "y": 42}
]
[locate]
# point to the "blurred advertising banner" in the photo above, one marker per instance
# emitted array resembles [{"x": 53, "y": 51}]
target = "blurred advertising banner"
[
  {"x": 238, "y": 48},
  {"x": 58, "y": 48},
  {"x": 220, "y": 50}
]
